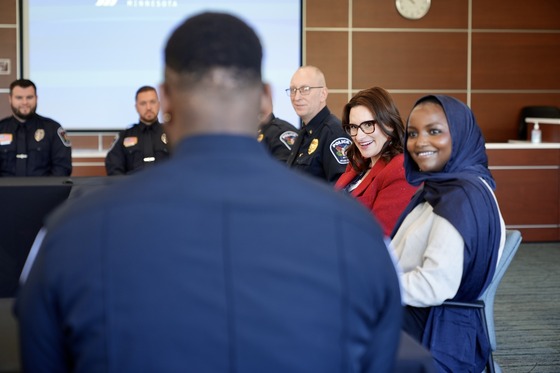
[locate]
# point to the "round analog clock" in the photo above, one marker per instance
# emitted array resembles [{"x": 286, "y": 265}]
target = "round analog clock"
[{"x": 413, "y": 9}]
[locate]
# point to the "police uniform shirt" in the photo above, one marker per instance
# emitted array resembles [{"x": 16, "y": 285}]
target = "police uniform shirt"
[
  {"x": 278, "y": 136},
  {"x": 37, "y": 147},
  {"x": 320, "y": 149},
  {"x": 136, "y": 147}
]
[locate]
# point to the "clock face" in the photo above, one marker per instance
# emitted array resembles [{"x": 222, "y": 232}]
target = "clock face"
[{"x": 413, "y": 9}]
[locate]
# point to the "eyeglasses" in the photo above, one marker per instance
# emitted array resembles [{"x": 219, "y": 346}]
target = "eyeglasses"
[
  {"x": 367, "y": 127},
  {"x": 304, "y": 91}
]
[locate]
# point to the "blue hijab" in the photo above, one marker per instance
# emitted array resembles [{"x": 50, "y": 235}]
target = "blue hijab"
[{"x": 457, "y": 194}]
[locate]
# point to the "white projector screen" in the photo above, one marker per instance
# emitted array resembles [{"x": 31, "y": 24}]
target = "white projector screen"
[{"x": 88, "y": 57}]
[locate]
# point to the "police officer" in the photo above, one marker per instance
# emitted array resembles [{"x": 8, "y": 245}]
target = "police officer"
[
  {"x": 320, "y": 149},
  {"x": 276, "y": 134},
  {"x": 32, "y": 145},
  {"x": 144, "y": 143}
]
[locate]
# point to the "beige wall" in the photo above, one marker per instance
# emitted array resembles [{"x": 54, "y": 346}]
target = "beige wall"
[{"x": 495, "y": 55}]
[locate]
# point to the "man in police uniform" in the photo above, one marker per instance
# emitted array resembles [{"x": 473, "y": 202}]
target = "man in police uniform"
[
  {"x": 193, "y": 265},
  {"x": 276, "y": 134},
  {"x": 32, "y": 145},
  {"x": 144, "y": 143},
  {"x": 320, "y": 149}
]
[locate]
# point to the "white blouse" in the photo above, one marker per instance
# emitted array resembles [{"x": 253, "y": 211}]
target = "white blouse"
[{"x": 429, "y": 251}]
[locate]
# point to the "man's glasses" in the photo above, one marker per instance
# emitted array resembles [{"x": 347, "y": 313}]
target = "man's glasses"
[
  {"x": 367, "y": 127},
  {"x": 304, "y": 91}
]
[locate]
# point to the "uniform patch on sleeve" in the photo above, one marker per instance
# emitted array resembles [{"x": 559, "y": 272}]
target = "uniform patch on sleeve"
[
  {"x": 288, "y": 138},
  {"x": 6, "y": 138},
  {"x": 130, "y": 141},
  {"x": 338, "y": 149},
  {"x": 63, "y": 137}
]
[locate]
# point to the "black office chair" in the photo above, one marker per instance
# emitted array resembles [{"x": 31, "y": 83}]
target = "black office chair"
[
  {"x": 485, "y": 303},
  {"x": 535, "y": 112}
]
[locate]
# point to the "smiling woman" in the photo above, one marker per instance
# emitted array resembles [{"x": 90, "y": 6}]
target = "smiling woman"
[
  {"x": 451, "y": 235},
  {"x": 375, "y": 174},
  {"x": 429, "y": 139}
]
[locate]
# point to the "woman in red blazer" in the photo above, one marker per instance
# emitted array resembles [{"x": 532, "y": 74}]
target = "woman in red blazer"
[{"x": 375, "y": 174}]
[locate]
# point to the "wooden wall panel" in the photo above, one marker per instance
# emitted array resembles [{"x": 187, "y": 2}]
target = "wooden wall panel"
[
  {"x": 107, "y": 141},
  {"x": 405, "y": 101},
  {"x": 522, "y": 203},
  {"x": 402, "y": 60},
  {"x": 8, "y": 11},
  {"x": 516, "y": 61},
  {"x": 336, "y": 102},
  {"x": 327, "y": 13},
  {"x": 516, "y": 14},
  {"x": 523, "y": 157},
  {"x": 333, "y": 61},
  {"x": 4, "y": 106},
  {"x": 84, "y": 142},
  {"x": 8, "y": 50},
  {"x": 498, "y": 114},
  {"x": 88, "y": 167},
  {"x": 383, "y": 13}
]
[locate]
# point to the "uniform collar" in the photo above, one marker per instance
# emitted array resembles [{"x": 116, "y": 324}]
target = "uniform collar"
[
  {"x": 145, "y": 127},
  {"x": 317, "y": 121}
]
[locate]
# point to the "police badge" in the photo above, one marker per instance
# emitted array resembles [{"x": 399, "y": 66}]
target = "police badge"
[
  {"x": 313, "y": 146},
  {"x": 39, "y": 134}
]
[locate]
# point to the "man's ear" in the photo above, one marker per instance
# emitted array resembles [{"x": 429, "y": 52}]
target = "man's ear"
[
  {"x": 165, "y": 104},
  {"x": 324, "y": 94}
]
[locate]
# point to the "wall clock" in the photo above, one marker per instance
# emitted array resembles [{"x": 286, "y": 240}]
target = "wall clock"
[{"x": 413, "y": 9}]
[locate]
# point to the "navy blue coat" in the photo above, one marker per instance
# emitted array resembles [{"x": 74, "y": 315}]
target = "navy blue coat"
[{"x": 198, "y": 265}]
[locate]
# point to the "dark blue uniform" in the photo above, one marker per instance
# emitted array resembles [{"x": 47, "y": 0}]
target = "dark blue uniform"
[
  {"x": 136, "y": 147},
  {"x": 37, "y": 147},
  {"x": 320, "y": 149},
  {"x": 278, "y": 136},
  {"x": 194, "y": 266}
]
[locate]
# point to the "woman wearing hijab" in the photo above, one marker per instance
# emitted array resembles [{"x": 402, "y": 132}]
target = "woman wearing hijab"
[
  {"x": 450, "y": 236},
  {"x": 375, "y": 173}
]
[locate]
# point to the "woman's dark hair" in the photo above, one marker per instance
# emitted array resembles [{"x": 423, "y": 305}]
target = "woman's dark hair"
[{"x": 379, "y": 102}]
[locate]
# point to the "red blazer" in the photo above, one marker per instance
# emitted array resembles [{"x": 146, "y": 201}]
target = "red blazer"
[{"x": 384, "y": 191}]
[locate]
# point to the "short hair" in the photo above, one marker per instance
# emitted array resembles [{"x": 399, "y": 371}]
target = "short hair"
[
  {"x": 144, "y": 88},
  {"x": 214, "y": 40},
  {"x": 23, "y": 83},
  {"x": 380, "y": 103}
]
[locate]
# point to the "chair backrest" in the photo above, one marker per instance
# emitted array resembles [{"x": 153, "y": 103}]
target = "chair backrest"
[{"x": 513, "y": 240}]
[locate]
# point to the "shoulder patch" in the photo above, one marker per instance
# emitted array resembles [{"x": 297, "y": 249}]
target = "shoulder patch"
[
  {"x": 130, "y": 141},
  {"x": 6, "y": 138},
  {"x": 63, "y": 137},
  {"x": 338, "y": 149},
  {"x": 288, "y": 138}
]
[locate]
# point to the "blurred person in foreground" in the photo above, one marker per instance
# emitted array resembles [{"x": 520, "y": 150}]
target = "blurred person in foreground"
[{"x": 218, "y": 280}]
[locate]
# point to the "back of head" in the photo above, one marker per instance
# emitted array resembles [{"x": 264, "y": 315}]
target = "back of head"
[
  {"x": 213, "y": 75},
  {"x": 214, "y": 40}
]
